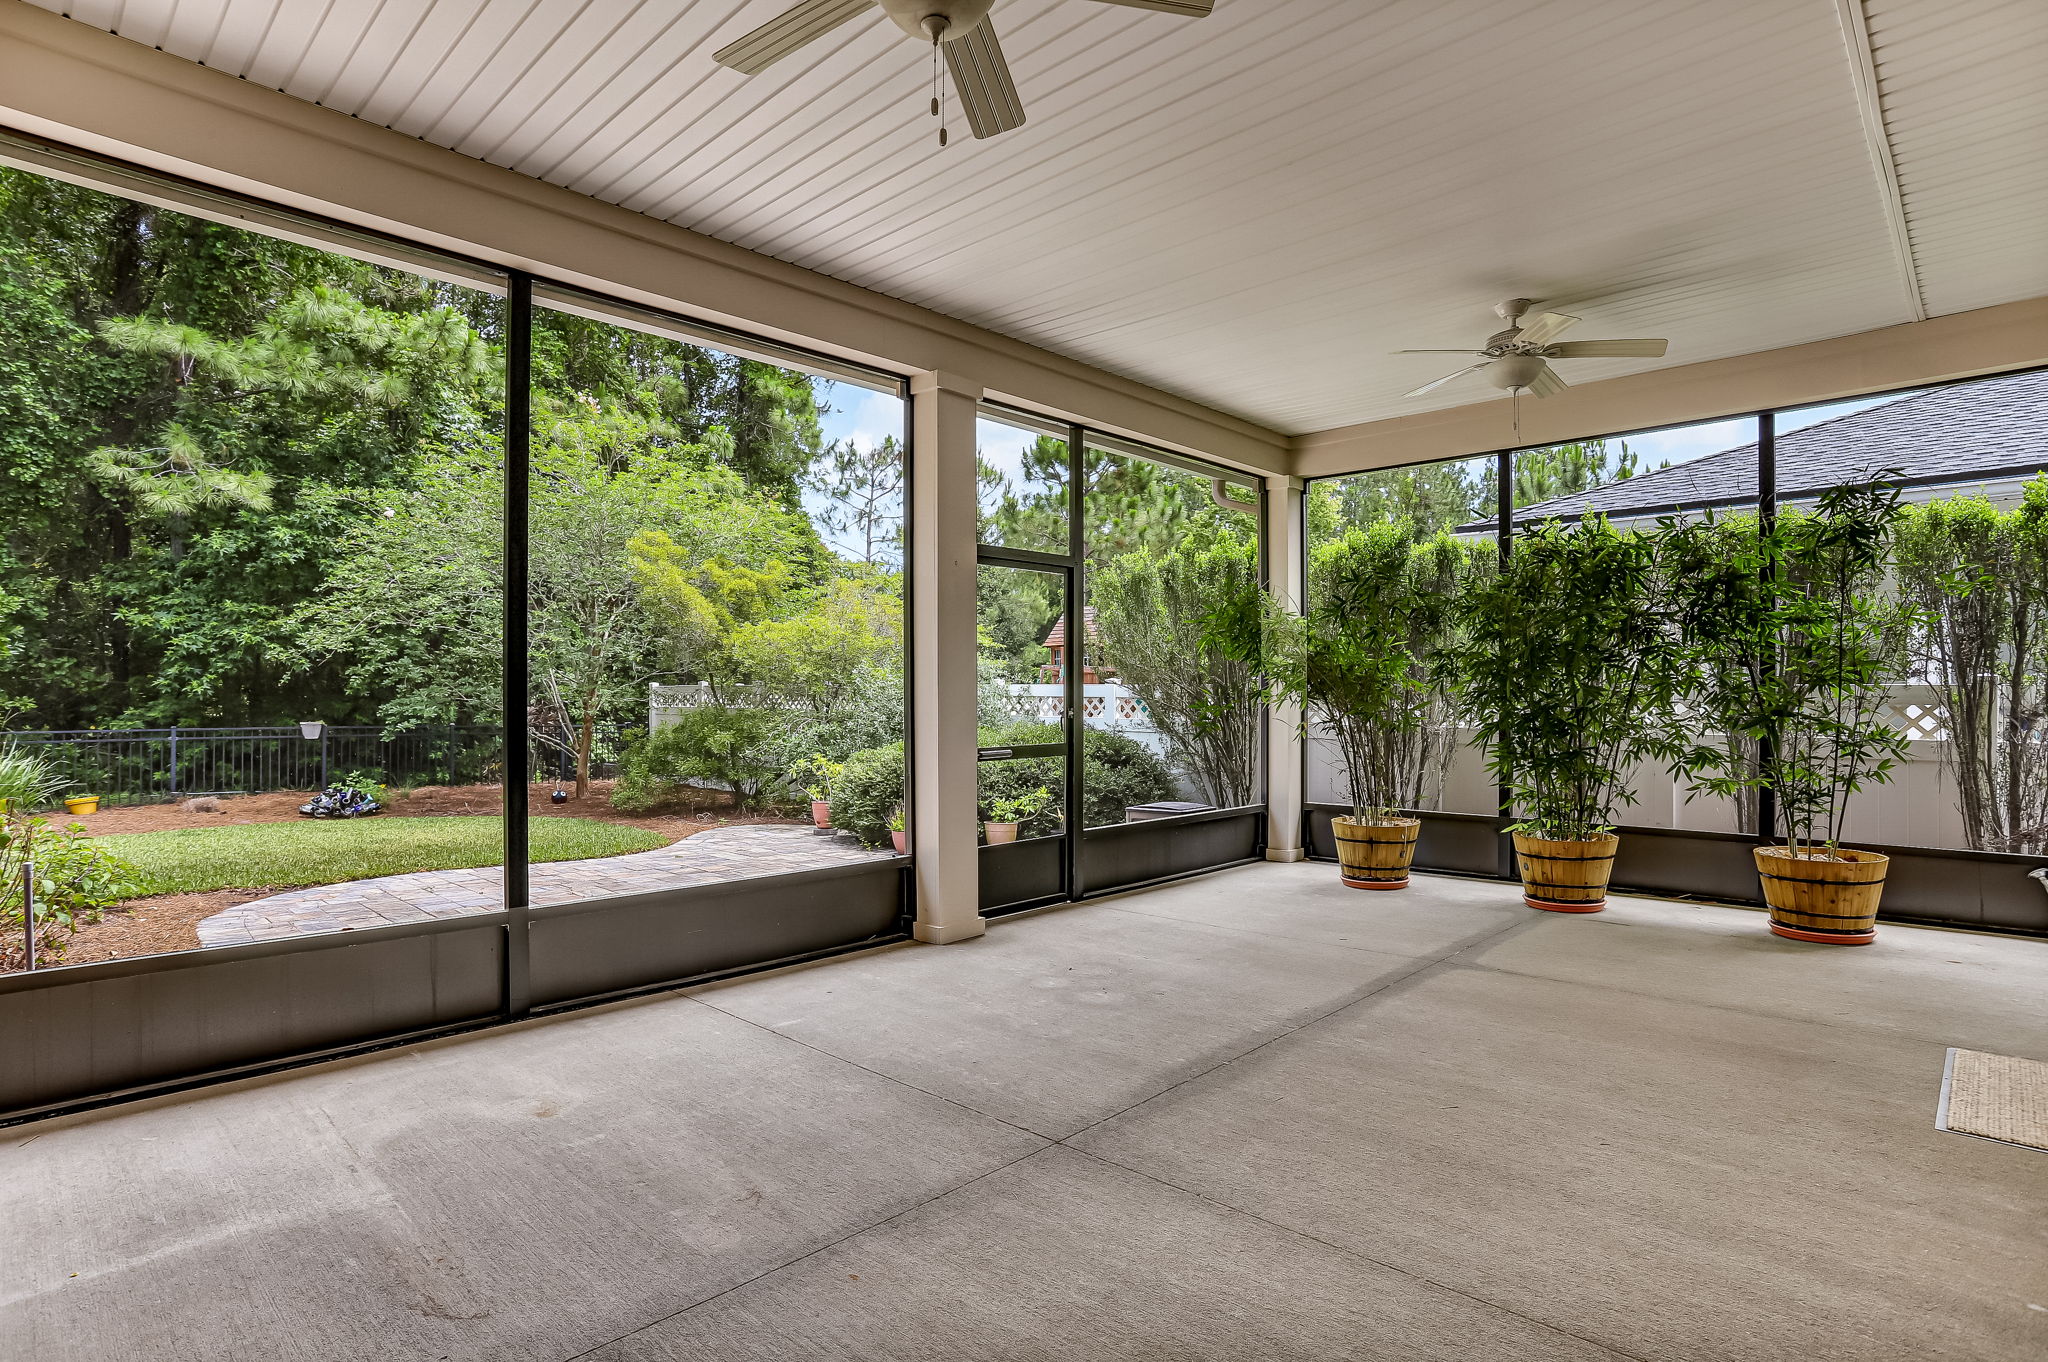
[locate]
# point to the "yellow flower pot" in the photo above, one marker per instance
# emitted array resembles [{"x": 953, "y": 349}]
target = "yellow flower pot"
[{"x": 82, "y": 805}]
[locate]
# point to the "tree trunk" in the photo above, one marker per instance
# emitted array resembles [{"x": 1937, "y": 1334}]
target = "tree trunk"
[{"x": 584, "y": 733}]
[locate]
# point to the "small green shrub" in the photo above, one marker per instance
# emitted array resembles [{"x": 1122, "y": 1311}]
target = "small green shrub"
[
  {"x": 1021, "y": 809},
  {"x": 814, "y": 774},
  {"x": 366, "y": 784},
  {"x": 868, "y": 791},
  {"x": 869, "y": 714},
  {"x": 741, "y": 750},
  {"x": 1120, "y": 771},
  {"x": 27, "y": 782},
  {"x": 1012, "y": 786},
  {"x": 75, "y": 880}
]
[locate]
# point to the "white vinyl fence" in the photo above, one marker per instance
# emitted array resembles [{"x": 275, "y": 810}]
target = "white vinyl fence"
[{"x": 1916, "y": 808}]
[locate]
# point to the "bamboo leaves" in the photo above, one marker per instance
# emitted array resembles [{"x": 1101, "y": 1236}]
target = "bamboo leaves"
[
  {"x": 1573, "y": 673},
  {"x": 1377, "y": 659},
  {"x": 1795, "y": 634}
]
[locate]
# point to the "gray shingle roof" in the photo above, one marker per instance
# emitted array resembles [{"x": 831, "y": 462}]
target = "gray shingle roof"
[{"x": 1952, "y": 433}]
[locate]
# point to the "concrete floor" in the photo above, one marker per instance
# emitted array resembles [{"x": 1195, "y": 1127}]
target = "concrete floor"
[{"x": 1252, "y": 1116}]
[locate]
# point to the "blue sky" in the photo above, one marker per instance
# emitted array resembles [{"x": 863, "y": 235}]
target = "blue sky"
[
  {"x": 858, "y": 415},
  {"x": 865, "y": 418},
  {"x": 1686, "y": 443}
]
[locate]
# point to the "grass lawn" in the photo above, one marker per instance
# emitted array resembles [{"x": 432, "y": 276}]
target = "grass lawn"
[{"x": 290, "y": 855}]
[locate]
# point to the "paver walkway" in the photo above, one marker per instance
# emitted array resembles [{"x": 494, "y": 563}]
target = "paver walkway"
[{"x": 708, "y": 857}]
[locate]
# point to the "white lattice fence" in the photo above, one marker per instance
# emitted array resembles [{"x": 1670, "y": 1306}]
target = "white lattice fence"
[
  {"x": 665, "y": 701},
  {"x": 1917, "y": 711}
]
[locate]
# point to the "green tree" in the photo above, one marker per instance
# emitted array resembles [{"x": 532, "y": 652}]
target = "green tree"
[
  {"x": 759, "y": 420},
  {"x": 1153, "y": 613},
  {"x": 603, "y": 484},
  {"x": 1978, "y": 575},
  {"x": 1576, "y": 466},
  {"x": 1430, "y": 497},
  {"x": 863, "y": 487},
  {"x": 213, "y": 370}
]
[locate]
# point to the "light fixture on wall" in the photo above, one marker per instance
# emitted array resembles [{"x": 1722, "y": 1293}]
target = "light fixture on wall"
[{"x": 962, "y": 27}]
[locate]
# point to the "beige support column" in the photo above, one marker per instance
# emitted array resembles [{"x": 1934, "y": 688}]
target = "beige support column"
[
  {"x": 943, "y": 778},
  {"x": 1284, "y": 565}
]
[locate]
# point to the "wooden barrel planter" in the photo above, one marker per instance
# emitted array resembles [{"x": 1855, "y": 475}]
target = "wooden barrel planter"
[
  {"x": 1565, "y": 876},
  {"x": 1376, "y": 855},
  {"x": 1832, "y": 901}
]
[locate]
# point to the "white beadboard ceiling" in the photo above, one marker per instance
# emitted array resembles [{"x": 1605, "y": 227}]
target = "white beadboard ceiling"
[{"x": 1253, "y": 209}]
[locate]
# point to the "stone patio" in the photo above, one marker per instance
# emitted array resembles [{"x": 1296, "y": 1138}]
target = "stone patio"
[{"x": 708, "y": 857}]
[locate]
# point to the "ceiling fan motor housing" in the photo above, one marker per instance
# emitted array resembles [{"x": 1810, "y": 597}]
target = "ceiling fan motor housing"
[
  {"x": 956, "y": 18},
  {"x": 1514, "y": 371}
]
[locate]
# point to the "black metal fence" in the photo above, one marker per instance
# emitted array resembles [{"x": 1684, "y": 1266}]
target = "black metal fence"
[{"x": 149, "y": 765}]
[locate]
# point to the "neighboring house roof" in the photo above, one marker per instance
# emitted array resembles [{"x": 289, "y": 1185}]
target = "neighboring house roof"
[
  {"x": 1058, "y": 637},
  {"x": 1958, "y": 433}
]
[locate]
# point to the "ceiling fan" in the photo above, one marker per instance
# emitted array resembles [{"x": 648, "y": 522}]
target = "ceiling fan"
[
  {"x": 961, "y": 27},
  {"x": 1519, "y": 357}
]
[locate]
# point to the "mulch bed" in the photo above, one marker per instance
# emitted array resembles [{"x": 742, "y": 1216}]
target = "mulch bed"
[
  {"x": 674, "y": 821},
  {"x": 168, "y": 922},
  {"x": 152, "y": 926}
]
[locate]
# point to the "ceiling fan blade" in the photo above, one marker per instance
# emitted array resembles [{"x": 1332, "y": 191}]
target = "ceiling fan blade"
[
  {"x": 1432, "y": 387},
  {"x": 1610, "y": 349},
  {"x": 1544, "y": 325},
  {"x": 1194, "y": 9},
  {"x": 1547, "y": 383},
  {"x": 982, "y": 78},
  {"x": 785, "y": 33},
  {"x": 1436, "y": 352}
]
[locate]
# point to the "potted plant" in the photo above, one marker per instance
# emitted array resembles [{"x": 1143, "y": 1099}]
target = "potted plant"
[
  {"x": 1375, "y": 671},
  {"x": 1799, "y": 633},
  {"x": 1006, "y": 815},
  {"x": 816, "y": 774},
  {"x": 1570, "y": 667},
  {"x": 899, "y": 832}
]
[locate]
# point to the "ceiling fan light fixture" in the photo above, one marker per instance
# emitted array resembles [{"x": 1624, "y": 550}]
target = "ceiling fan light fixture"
[{"x": 1514, "y": 371}]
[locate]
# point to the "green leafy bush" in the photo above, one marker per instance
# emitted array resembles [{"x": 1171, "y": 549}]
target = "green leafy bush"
[
  {"x": 27, "y": 782},
  {"x": 868, "y": 714},
  {"x": 1118, "y": 772},
  {"x": 1024, "y": 808},
  {"x": 868, "y": 791},
  {"x": 75, "y": 880},
  {"x": 746, "y": 751},
  {"x": 1007, "y": 786}
]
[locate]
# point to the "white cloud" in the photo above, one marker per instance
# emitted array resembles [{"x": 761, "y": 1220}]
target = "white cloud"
[{"x": 860, "y": 415}]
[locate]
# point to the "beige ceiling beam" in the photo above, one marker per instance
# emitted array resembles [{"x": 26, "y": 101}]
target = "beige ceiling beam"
[
  {"x": 73, "y": 84},
  {"x": 1964, "y": 344}
]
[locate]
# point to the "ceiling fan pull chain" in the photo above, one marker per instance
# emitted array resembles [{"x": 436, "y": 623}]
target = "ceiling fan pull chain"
[{"x": 938, "y": 88}]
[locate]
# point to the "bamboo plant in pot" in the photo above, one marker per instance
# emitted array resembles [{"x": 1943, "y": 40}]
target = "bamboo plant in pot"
[
  {"x": 1374, "y": 676},
  {"x": 1569, "y": 667},
  {"x": 1799, "y": 631}
]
